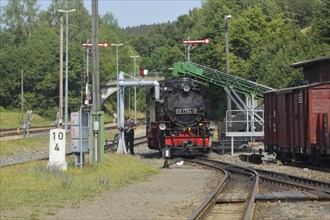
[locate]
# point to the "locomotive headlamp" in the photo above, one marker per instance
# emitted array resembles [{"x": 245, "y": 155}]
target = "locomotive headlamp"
[
  {"x": 186, "y": 88},
  {"x": 212, "y": 125},
  {"x": 162, "y": 126}
]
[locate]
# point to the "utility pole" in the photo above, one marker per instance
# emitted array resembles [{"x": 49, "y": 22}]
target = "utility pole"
[
  {"x": 61, "y": 72},
  {"x": 227, "y": 67},
  {"x": 96, "y": 77},
  {"x": 22, "y": 95},
  {"x": 95, "y": 57},
  {"x": 135, "y": 113},
  {"x": 66, "y": 65}
]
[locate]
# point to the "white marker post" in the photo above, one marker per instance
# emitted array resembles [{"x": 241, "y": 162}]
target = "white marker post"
[{"x": 57, "y": 139}]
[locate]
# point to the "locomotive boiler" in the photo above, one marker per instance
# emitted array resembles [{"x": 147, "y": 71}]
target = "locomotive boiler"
[{"x": 179, "y": 121}]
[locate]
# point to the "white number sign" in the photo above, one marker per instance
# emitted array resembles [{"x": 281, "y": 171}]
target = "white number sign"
[{"x": 57, "y": 139}]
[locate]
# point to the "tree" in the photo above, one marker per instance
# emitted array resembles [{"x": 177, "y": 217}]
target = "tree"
[
  {"x": 19, "y": 17},
  {"x": 321, "y": 22},
  {"x": 300, "y": 11}
]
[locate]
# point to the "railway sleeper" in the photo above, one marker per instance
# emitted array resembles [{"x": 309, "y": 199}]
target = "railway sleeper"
[
  {"x": 252, "y": 158},
  {"x": 232, "y": 197},
  {"x": 293, "y": 196}
]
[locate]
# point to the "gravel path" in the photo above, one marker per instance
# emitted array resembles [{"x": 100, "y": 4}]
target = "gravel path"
[{"x": 172, "y": 194}]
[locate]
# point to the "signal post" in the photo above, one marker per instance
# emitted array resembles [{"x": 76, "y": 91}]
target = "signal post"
[
  {"x": 192, "y": 42},
  {"x": 93, "y": 133}
]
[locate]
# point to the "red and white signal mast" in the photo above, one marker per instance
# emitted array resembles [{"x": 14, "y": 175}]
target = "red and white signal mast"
[
  {"x": 105, "y": 44},
  {"x": 87, "y": 46},
  {"x": 191, "y": 43}
]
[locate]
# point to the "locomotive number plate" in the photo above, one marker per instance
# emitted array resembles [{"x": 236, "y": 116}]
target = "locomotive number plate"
[{"x": 184, "y": 111}]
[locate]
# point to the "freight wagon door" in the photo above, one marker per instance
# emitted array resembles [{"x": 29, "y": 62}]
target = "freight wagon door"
[{"x": 319, "y": 108}]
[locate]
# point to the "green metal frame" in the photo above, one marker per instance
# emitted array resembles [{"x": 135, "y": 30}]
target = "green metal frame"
[{"x": 215, "y": 77}]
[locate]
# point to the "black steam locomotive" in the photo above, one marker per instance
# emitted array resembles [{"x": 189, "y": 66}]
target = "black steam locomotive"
[{"x": 179, "y": 121}]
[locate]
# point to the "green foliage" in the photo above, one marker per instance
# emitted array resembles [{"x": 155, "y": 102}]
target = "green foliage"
[
  {"x": 321, "y": 22},
  {"x": 265, "y": 38},
  {"x": 30, "y": 44},
  {"x": 301, "y": 11}
]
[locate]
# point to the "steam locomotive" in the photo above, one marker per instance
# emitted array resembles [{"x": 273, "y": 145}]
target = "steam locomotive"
[{"x": 179, "y": 123}]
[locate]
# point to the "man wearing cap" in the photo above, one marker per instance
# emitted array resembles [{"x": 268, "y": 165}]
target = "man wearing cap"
[{"x": 129, "y": 134}]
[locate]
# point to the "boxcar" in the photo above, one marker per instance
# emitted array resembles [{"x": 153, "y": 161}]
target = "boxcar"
[{"x": 297, "y": 123}]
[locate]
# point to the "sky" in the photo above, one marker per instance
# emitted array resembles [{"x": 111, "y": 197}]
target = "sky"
[{"x": 137, "y": 12}]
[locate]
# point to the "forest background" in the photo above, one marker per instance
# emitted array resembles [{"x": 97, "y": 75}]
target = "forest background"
[{"x": 265, "y": 38}]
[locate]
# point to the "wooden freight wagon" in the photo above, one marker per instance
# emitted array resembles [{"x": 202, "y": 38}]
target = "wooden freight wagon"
[{"x": 297, "y": 123}]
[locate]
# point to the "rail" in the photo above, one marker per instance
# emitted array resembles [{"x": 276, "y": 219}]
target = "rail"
[
  {"x": 300, "y": 182},
  {"x": 297, "y": 189},
  {"x": 44, "y": 155},
  {"x": 204, "y": 207},
  {"x": 210, "y": 206},
  {"x": 12, "y": 134}
]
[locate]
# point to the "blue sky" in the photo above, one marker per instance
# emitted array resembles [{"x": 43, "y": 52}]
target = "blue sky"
[{"x": 137, "y": 12}]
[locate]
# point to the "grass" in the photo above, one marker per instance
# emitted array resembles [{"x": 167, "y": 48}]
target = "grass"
[
  {"x": 40, "y": 143},
  {"x": 42, "y": 190},
  {"x": 32, "y": 190},
  {"x": 14, "y": 120}
]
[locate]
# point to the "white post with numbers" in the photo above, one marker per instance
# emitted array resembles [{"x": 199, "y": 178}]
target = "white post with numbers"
[{"x": 57, "y": 139}]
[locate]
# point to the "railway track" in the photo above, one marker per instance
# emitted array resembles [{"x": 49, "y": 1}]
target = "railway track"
[
  {"x": 234, "y": 196},
  {"x": 110, "y": 146},
  {"x": 294, "y": 181},
  {"x": 14, "y": 134},
  {"x": 241, "y": 189},
  {"x": 290, "y": 180}
]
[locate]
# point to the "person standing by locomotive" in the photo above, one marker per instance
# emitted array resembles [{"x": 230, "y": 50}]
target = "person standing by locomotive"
[{"x": 129, "y": 134}]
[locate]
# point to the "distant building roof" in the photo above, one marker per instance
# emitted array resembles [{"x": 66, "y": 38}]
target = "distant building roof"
[{"x": 311, "y": 62}]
